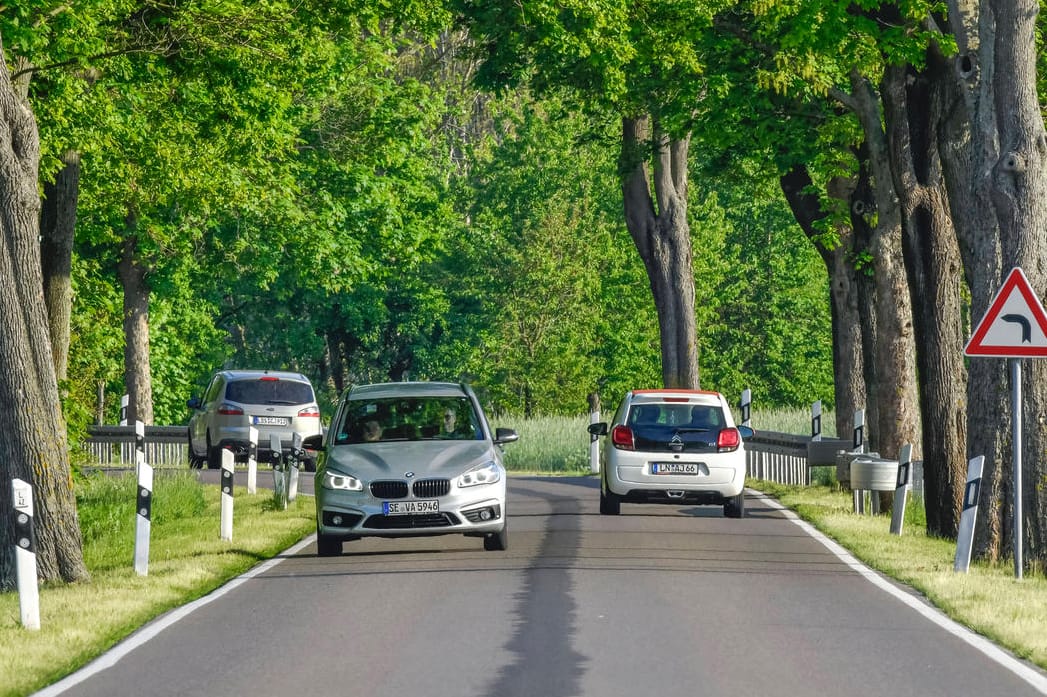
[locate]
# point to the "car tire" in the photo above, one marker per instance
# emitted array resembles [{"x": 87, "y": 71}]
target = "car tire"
[
  {"x": 214, "y": 455},
  {"x": 610, "y": 503},
  {"x": 327, "y": 546},
  {"x": 497, "y": 541},
  {"x": 735, "y": 507}
]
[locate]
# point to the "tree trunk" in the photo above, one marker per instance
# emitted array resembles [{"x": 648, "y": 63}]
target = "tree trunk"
[
  {"x": 34, "y": 444},
  {"x": 57, "y": 224},
  {"x": 914, "y": 105},
  {"x": 137, "y": 371},
  {"x": 844, "y": 284},
  {"x": 897, "y": 408},
  {"x": 662, "y": 236},
  {"x": 998, "y": 186}
]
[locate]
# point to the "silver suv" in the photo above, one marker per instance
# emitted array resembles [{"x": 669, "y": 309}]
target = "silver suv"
[{"x": 235, "y": 401}]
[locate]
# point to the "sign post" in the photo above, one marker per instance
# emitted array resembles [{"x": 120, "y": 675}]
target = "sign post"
[{"x": 1014, "y": 327}]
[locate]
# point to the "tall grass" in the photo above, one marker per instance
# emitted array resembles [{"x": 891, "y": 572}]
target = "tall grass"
[
  {"x": 548, "y": 444},
  {"x": 791, "y": 420}
]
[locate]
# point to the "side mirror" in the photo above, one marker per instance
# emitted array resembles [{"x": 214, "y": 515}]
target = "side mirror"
[
  {"x": 194, "y": 403},
  {"x": 598, "y": 429},
  {"x": 746, "y": 432},
  {"x": 315, "y": 442},
  {"x": 505, "y": 435}
]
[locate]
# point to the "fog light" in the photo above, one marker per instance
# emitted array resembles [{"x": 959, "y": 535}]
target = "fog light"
[
  {"x": 337, "y": 520},
  {"x": 485, "y": 514}
]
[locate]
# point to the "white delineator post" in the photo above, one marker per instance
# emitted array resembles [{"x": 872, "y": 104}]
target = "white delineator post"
[
  {"x": 965, "y": 536},
  {"x": 295, "y": 463},
  {"x": 279, "y": 470},
  {"x": 901, "y": 491},
  {"x": 858, "y": 446},
  {"x": 746, "y": 406},
  {"x": 124, "y": 401},
  {"x": 252, "y": 461},
  {"x": 227, "y": 494},
  {"x": 594, "y": 443},
  {"x": 139, "y": 444},
  {"x": 143, "y": 519},
  {"x": 25, "y": 554},
  {"x": 816, "y": 421},
  {"x": 859, "y": 431}
]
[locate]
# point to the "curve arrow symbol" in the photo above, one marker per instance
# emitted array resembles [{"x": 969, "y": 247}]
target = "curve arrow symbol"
[{"x": 1024, "y": 322}]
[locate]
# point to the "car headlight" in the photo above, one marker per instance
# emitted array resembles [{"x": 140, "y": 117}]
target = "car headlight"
[
  {"x": 487, "y": 473},
  {"x": 342, "y": 482}
]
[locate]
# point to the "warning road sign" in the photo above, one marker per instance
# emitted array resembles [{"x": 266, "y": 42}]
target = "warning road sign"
[{"x": 1015, "y": 325}]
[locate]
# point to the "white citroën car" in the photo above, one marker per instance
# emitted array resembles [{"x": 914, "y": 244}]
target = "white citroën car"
[{"x": 673, "y": 446}]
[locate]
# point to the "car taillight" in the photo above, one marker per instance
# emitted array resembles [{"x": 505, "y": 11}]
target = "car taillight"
[
  {"x": 728, "y": 440},
  {"x": 310, "y": 411},
  {"x": 622, "y": 438},
  {"x": 227, "y": 409}
]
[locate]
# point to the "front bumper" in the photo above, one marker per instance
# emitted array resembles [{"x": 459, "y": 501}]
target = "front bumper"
[{"x": 352, "y": 515}]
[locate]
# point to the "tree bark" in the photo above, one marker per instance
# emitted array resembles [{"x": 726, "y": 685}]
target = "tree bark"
[
  {"x": 897, "y": 408},
  {"x": 662, "y": 236},
  {"x": 844, "y": 284},
  {"x": 997, "y": 187},
  {"x": 34, "y": 444},
  {"x": 57, "y": 225},
  {"x": 914, "y": 106},
  {"x": 137, "y": 372}
]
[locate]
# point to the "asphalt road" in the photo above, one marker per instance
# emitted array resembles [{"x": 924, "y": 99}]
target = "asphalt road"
[{"x": 658, "y": 601}]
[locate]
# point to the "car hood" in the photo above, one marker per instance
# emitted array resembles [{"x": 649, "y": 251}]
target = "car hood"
[{"x": 424, "y": 458}]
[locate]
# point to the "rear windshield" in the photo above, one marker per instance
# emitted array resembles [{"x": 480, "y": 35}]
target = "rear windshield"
[
  {"x": 699, "y": 416},
  {"x": 269, "y": 391},
  {"x": 676, "y": 427}
]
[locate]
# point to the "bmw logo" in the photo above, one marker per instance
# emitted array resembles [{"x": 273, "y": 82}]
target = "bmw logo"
[{"x": 409, "y": 474}]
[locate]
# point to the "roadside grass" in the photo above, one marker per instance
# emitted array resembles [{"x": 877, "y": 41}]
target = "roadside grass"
[{"x": 187, "y": 560}]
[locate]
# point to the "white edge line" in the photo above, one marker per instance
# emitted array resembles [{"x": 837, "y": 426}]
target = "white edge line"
[
  {"x": 113, "y": 655},
  {"x": 1030, "y": 675}
]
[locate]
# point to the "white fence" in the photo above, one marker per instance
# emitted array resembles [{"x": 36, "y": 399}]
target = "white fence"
[{"x": 114, "y": 446}]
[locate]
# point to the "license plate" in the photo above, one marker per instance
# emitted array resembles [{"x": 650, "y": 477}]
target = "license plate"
[
  {"x": 270, "y": 421},
  {"x": 674, "y": 468},
  {"x": 409, "y": 507}
]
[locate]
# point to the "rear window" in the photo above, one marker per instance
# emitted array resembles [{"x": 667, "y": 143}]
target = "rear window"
[
  {"x": 698, "y": 416},
  {"x": 269, "y": 391}
]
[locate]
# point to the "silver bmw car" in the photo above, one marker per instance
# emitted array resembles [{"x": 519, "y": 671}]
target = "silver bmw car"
[{"x": 408, "y": 459}]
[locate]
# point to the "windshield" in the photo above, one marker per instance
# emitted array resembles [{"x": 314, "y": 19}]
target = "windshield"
[
  {"x": 409, "y": 418},
  {"x": 269, "y": 390}
]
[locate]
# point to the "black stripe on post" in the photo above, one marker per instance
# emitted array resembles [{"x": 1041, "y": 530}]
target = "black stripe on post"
[
  {"x": 227, "y": 482},
  {"x": 24, "y": 534},
  {"x": 145, "y": 503},
  {"x": 903, "y": 473},
  {"x": 970, "y": 493}
]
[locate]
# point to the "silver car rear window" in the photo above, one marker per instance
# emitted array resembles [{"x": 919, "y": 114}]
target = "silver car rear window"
[{"x": 269, "y": 391}]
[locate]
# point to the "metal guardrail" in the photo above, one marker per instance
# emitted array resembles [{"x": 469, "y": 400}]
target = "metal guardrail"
[
  {"x": 114, "y": 446},
  {"x": 785, "y": 458},
  {"x": 778, "y": 457}
]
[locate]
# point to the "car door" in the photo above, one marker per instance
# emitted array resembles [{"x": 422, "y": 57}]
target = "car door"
[{"x": 200, "y": 421}]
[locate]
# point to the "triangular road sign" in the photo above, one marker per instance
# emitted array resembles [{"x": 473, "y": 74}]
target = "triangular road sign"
[{"x": 1015, "y": 325}]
